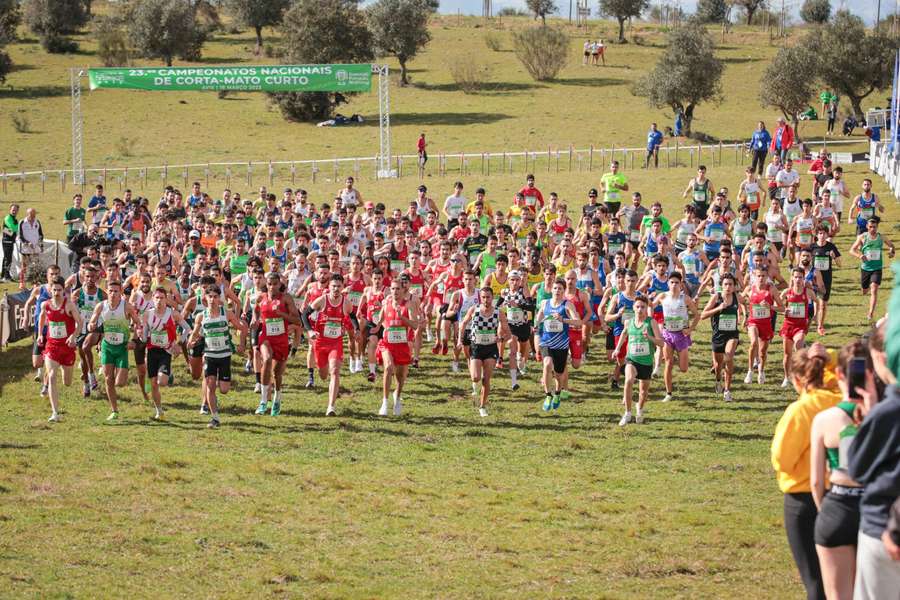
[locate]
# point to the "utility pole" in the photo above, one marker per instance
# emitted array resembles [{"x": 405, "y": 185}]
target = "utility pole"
[
  {"x": 878, "y": 14},
  {"x": 782, "y": 19}
]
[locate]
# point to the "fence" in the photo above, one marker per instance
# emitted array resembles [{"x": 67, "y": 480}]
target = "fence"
[
  {"x": 461, "y": 164},
  {"x": 886, "y": 164}
]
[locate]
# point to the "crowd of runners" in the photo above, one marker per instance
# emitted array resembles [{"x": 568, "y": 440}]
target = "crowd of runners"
[{"x": 494, "y": 282}]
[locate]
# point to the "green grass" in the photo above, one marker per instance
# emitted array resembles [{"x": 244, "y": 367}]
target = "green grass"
[{"x": 437, "y": 503}]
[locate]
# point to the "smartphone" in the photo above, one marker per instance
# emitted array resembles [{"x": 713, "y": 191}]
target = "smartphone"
[{"x": 856, "y": 375}]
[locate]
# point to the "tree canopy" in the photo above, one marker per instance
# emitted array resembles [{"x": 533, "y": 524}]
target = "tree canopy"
[
  {"x": 258, "y": 14},
  {"x": 622, "y": 10},
  {"x": 165, "y": 29},
  {"x": 400, "y": 28},
  {"x": 789, "y": 82}
]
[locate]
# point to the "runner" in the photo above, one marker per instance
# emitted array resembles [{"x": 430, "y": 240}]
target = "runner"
[
  {"x": 579, "y": 300},
  {"x": 825, "y": 256},
  {"x": 459, "y": 302},
  {"x": 486, "y": 325},
  {"x": 699, "y": 189},
  {"x": 760, "y": 324},
  {"x": 640, "y": 332},
  {"x": 160, "y": 329},
  {"x": 327, "y": 335},
  {"x": 399, "y": 319},
  {"x": 796, "y": 319},
  {"x": 86, "y": 299},
  {"x": 273, "y": 312},
  {"x": 516, "y": 301},
  {"x": 118, "y": 318},
  {"x": 864, "y": 207},
  {"x": 612, "y": 185},
  {"x": 621, "y": 309},
  {"x": 213, "y": 325},
  {"x": 371, "y": 304},
  {"x": 554, "y": 317},
  {"x": 680, "y": 317},
  {"x": 723, "y": 310},
  {"x": 868, "y": 247},
  {"x": 59, "y": 324},
  {"x": 39, "y": 295}
]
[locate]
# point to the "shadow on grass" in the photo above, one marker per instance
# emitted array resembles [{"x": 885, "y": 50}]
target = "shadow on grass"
[
  {"x": 37, "y": 91},
  {"x": 16, "y": 364},
  {"x": 591, "y": 81},
  {"x": 485, "y": 88},
  {"x": 737, "y": 60},
  {"x": 442, "y": 118},
  {"x": 222, "y": 60}
]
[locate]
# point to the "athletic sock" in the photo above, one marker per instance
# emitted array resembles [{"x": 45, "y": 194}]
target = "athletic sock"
[
  {"x": 311, "y": 373},
  {"x": 514, "y": 375},
  {"x": 474, "y": 387},
  {"x": 264, "y": 396},
  {"x": 372, "y": 368},
  {"x": 277, "y": 396}
]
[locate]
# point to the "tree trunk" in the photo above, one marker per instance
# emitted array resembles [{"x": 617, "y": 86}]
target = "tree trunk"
[
  {"x": 403, "y": 79},
  {"x": 688, "y": 119},
  {"x": 259, "y": 40},
  {"x": 544, "y": 20},
  {"x": 795, "y": 121},
  {"x": 750, "y": 12},
  {"x": 168, "y": 60},
  {"x": 621, "y": 30},
  {"x": 856, "y": 104}
]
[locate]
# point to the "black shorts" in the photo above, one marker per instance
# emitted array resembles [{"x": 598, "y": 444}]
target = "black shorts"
[
  {"x": 613, "y": 207},
  {"x": 254, "y": 337},
  {"x": 559, "y": 356},
  {"x": 466, "y": 338},
  {"x": 644, "y": 372},
  {"x": 197, "y": 350},
  {"x": 826, "y": 280},
  {"x": 355, "y": 321},
  {"x": 867, "y": 278},
  {"x": 140, "y": 352},
  {"x": 610, "y": 340},
  {"x": 720, "y": 340},
  {"x": 220, "y": 368},
  {"x": 36, "y": 349},
  {"x": 700, "y": 210},
  {"x": 488, "y": 352},
  {"x": 837, "y": 523},
  {"x": 452, "y": 317},
  {"x": 521, "y": 331},
  {"x": 158, "y": 361},
  {"x": 377, "y": 332}
]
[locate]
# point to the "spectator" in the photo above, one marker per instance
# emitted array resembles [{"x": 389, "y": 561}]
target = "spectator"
[
  {"x": 420, "y": 149},
  {"x": 31, "y": 242},
  {"x": 10, "y": 233},
  {"x": 654, "y": 141},
  {"x": 74, "y": 217},
  {"x": 832, "y": 117},
  {"x": 783, "y": 140},
  {"x": 759, "y": 147}
]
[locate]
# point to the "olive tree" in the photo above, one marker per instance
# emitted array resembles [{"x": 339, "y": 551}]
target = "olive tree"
[
  {"x": 789, "y": 82},
  {"x": 622, "y": 10},
  {"x": 400, "y": 28},
  {"x": 165, "y": 29},
  {"x": 257, "y": 14}
]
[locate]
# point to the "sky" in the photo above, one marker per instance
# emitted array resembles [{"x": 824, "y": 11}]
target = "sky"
[{"x": 864, "y": 8}]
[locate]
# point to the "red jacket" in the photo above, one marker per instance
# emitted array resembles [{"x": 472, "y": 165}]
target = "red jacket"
[{"x": 787, "y": 138}]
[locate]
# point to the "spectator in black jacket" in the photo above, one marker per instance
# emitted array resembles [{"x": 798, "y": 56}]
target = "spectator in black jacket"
[{"x": 81, "y": 241}]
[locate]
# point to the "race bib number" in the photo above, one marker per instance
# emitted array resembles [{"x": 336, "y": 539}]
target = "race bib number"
[
  {"x": 274, "y": 327},
  {"x": 716, "y": 235},
  {"x": 866, "y": 213},
  {"x": 553, "y": 326},
  {"x": 484, "y": 337},
  {"x": 635, "y": 235},
  {"x": 873, "y": 254},
  {"x": 159, "y": 338},
  {"x": 804, "y": 239},
  {"x": 355, "y": 298},
  {"x": 699, "y": 197},
  {"x": 397, "y": 265},
  {"x": 638, "y": 348},
  {"x": 727, "y": 322},
  {"x": 113, "y": 337},
  {"x": 759, "y": 311},
  {"x": 822, "y": 263},
  {"x": 515, "y": 314},
  {"x": 614, "y": 248},
  {"x": 416, "y": 288},
  {"x": 216, "y": 341},
  {"x": 396, "y": 335},
  {"x": 333, "y": 330},
  {"x": 673, "y": 323},
  {"x": 690, "y": 267},
  {"x": 741, "y": 239},
  {"x": 796, "y": 310},
  {"x": 57, "y": 330}
]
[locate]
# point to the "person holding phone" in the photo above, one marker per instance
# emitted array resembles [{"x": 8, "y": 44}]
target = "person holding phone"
[{"x": 837, "y": 523}]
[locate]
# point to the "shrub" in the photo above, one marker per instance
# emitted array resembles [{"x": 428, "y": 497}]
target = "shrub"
[
  {"x": 52, "y": 20},
  {"x": 470, "y": 74},
  {"x": 493, "y": 41},
  {"x": 112, "y": 42},
  {"x": 543, "y": 51},
  {"x": 123, "y": 146},
  {"x": 21, "y": 123}
]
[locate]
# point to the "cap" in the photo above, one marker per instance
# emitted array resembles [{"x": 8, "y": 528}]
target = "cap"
[
  {"x": 515, "y": 273},
  {"x": 369, "y": 204},
  {"x": 592, "y": 193},
  {"x": 422, "y": 188},
  {"x": 194, "y": 234}
]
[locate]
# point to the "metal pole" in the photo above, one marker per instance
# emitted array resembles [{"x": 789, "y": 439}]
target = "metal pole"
[
  {"x": 384, "y": 121},
  {"x": 77, "y": 127}
]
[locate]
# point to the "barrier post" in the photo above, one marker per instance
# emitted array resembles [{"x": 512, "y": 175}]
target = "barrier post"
[
  {"x": 548, "y": 158},
  {"x": 293, "y": 173},
  {"x": 591, "y": 159},
  {"x": 488, "y": 163},
  {"x": 207, "y": 176},
  {"x": 43, "y": 179},
  {"x": 125, "y": 176},
  {"x": 249, "y": 174},
  {"x": 570, "y": 159}
]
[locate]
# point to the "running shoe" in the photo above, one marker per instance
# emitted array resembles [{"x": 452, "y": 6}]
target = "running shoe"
[
  {"x": 483, "y": 411},
  {"x": 262, "y": 408},
  {"x": 614, "y": 384},
  {"x": 257, "y": 388},
  {"x": 784, "y": 383},
  {"x": 43, "y": 390},
  {"x": 415, "y": 363},
  {"x": 213, "y": 423},
  {"x": 667, "y": 398},
  {"x": 157, "y": 416},
  {"x": 86, "y": 390},
  {"x": 398, "y": 405},
  {"x": 625, "y": 420},
  {"x": 248, "y": 367},
  {"x": 515, "y": 387},
  {"x": 436, "y": 348},
  {"x": 112, "y": 416},
  {"x": 204, "y": 410},
  {"x": 93, "y": 381},
  {"x": 548, "y": 402},
  {"x": 761, "y": 377},
  {"x": 37, "y": 374},
  {"x": 454, "y": 367},
  {"x": 310, "y": 383},
  {"x": 371, "y": 376},
  {"x": 54, "y": 418},
  {"x": 639, "y": 417},
  {"x": 749, "y": 378},
  {"x": 330, "y": 412},
  {"x": 444, "y": 349},
  {"x": 276, "y": 408},
  {"x": 428, "y": 335},
  {"x": 727, "y": 395}
]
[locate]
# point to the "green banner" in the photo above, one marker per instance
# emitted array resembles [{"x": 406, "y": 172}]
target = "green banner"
[{"x": 266, "y": 78}]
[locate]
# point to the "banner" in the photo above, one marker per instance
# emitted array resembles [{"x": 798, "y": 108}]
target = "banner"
[
  {"x": 266, "y": 78},
  {"x": 12, "y": 311}
]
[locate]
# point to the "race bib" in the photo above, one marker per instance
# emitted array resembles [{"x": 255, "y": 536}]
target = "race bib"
[
  {"x": 796, "y": 310},
  {"x": 553, "y": 326},
  {"x": 274, "y": 327},
  {"x": 866, "y": 213},
  {"x": 638, "y": 348},
  {"x": 113, "y": 337},
  {"x": 716, "y": 235},
  {"x": 397, "y": 265},
  {"x": 615, "y": 248},
  {"x": 515, "y": 314},
  {"x": 804, "y": 239},
  {"x": 216, "y": 341},
  {"x": 416, "y": 288},
  {"x": 690, "y": 266},
  {"x": 396, "y": 335},
  {"x": 332, "y": 330},
  {"x": 758, "y": 311},
  {"x": 673, "y": 323},
  {"x": 57, "y": 330},
  {"x": 635, "y": 235},
  {"x": 873, "y": 254},
  {"x": 727, "y": 322},
  {"x": 699, "y": 197},
  {"x": 821, "y": 263},
  {"x": 159, "y": 338},
  {"x": 355, "y": 298},
  {"x": 485, "y": 337},
  {"x": 741, "y": 239}
]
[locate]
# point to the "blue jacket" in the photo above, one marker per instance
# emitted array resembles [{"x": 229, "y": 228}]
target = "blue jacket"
[
  {"x": 760, "y": 140},
  {"x": 874, "y": 461}
]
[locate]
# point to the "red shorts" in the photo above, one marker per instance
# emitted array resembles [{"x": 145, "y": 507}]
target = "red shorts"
[
  {"x": 792, "y": 327},
  {"x": 60, "y": 353},
  {"x": 623, "y": 351},
  {"x": 436, "y": 300},
  {"x": 400, "y": 353},
  {"x": 326, "y": 352},
  {"x": 576, "y": 344},
  {"x": 658, "y": 317},
  {"x": 279, "y": 345},
  {"x": 763, "y": 328}
]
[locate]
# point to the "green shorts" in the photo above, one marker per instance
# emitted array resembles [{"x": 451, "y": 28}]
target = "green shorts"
[{"x": 114, "y": 355}]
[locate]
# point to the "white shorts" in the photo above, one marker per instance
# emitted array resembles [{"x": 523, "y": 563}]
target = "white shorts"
[{"x": 838, "y": 203}]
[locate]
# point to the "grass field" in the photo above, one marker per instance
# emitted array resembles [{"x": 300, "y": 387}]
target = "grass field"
[{"x": 438, "y": 503}]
